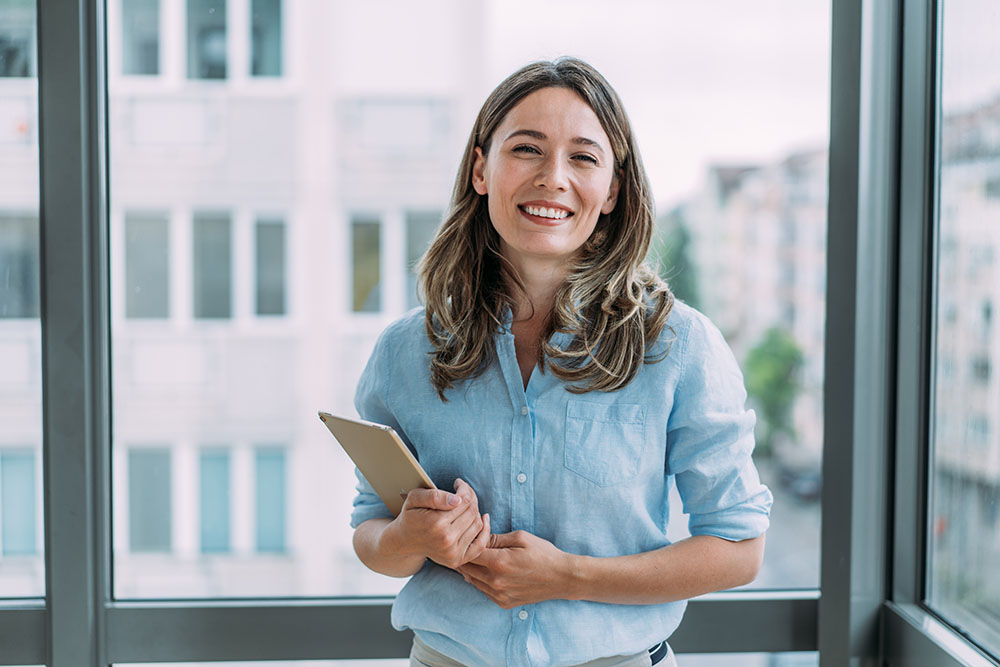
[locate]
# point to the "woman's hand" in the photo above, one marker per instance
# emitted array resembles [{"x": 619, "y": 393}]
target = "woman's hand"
[
  {"x": 445, "y": 527},
  {"x": 520, "y": 568}
]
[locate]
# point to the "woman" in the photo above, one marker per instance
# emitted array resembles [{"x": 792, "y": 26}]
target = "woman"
[{"x": 556, "y": 385}]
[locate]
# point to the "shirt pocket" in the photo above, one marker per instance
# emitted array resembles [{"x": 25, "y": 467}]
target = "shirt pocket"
[{"x": 604, "y": 443}]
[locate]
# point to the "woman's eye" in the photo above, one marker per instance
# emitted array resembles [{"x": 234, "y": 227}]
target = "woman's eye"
[
  {"x": 586, "y": 158},
  {"x": 526, "y": 149}
]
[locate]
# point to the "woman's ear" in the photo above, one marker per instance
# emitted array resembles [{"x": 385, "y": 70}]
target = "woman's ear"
[
  {"x": 609, "y": 203},
  {"x": 479, "y": 172}
]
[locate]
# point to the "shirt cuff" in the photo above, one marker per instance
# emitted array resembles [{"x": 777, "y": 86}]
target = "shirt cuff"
[{"x": 742, "y": 522}]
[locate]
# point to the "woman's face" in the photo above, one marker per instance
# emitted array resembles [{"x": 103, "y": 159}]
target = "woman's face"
[{"x": 549, "y": 176}]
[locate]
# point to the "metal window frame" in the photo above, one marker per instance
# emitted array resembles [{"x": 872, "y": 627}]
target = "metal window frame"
[
  {"x": 873, "y": 45},
  {"x": 913, "y": 634}
]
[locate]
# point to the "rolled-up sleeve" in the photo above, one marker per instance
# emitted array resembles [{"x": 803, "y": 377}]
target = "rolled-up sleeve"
[
  {"x": 710, "y": 440},
  {"x": 371, "y": 401}
]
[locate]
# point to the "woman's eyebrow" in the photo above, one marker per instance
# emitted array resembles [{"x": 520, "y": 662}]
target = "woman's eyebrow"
[{"x": 541, "y": 136}]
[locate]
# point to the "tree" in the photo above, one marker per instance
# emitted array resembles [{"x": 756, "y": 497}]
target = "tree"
[
  {"x": 671, "y": 252},
  {"x": 772, "y": 378}
]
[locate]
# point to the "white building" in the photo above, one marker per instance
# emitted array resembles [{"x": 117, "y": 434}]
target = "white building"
[{"x": 758, "y": 238}]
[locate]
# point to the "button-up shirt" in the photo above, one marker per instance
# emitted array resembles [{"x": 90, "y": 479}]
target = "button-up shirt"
[{"x": 589, "y": 472}]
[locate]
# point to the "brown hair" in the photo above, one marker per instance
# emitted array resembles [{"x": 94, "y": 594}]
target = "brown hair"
[{"x": 612, "y": 304}]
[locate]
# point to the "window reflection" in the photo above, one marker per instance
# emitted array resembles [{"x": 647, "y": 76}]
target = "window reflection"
[{"x": 965, "y": 479}]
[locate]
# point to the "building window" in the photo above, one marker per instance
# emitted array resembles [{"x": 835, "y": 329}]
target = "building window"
[
  {"x": 19, "y": 268},
  {"x": 213, "y": 260},
  {"x": 215, "y": 496},
  {"x": 17, "y": 38},
  {"x": 981, "y": 369},
  {"x": 270, "y": 464},
  {"x": 366, "y": 260},
  {"x": 140, "y": 37},
  {"x": 206, "y": 39},
  {"x": 147, "y": 261},
  {"x": 17, "y": 504},
  {"x": 978, "y": 426},
  {"x": 269, "y": 239},
  {"x": 420, "y": 229},
  {"x": 265, "y": 56},
  {"x": 149, "y": 500}
]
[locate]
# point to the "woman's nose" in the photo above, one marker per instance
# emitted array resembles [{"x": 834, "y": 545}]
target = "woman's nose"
[{"x": 552, "y": 174}]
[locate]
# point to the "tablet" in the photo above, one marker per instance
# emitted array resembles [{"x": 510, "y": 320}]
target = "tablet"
[{"x": 381, "y": 456}]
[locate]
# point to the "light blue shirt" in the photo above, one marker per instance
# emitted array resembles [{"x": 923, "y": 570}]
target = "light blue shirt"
[{"x": 588, "y": 472}]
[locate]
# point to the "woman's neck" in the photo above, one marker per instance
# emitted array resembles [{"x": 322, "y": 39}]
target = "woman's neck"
[{"x": 541, "y": 285}]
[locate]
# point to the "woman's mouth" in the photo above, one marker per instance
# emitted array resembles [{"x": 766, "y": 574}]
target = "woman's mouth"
[{"x": 546, "y": 212}]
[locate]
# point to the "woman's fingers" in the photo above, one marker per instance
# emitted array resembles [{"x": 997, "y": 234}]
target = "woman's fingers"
[
  {"x": 479, "y": 544},
  {"x": 434, "y": 499}
]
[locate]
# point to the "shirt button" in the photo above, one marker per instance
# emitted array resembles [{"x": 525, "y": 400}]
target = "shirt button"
[
  {"x": 524, "y": 409},
  {"x": 523, "y": 615},
  {"x": 522, "y": 478}
]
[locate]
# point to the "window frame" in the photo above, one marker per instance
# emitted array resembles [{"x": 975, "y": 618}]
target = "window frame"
[{"x": 881, "y": 426}]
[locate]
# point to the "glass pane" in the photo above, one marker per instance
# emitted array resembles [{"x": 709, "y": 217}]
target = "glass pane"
[
  {"x": 215, "y": 495},
  {"x": 367, "y": 267},
  {"x": 965, "y": 480},
  {"x": 270, "y": 267},
  {"x": 17, "y": 39},
  {"x": 141, "y": 37},
  {"x": 357, "y": 155},
  {"x": 420, "y": 229},
  {"x": 149, "y": 495},
  {"x": 271, "y": 500},
  {"x": 803, "y": 659},
  {"x": 147, "y": 261},
  {"x": 19, "y": 261},
  {"x": 206, "y": 39},
  {"x": 22, "y": 567},
  {"x": 266, "y": 38},
  {"x": 212, "y": 266},
  {"x": 18, "y": 509}
]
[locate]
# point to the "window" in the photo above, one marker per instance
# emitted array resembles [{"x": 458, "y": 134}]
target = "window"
[
  {"x": 212, "y": 259},
  {"x": 270, "y": 262},
  {"x": 981, "y": 370},
  {"x": 964, "y": 546},
  {"x": 149, "y": 498},
  {"x": 22, "y": 565},
  {"x": 19, "y": 266},
  {"x": 420, "y": 230},
  {"x": 270, "y": 462},
  {"x": 206, "y": 39},
  {"x": 365, "y": 257},
  {"x": 18, "y": 511},
  {"x": 266, "y": 38},
  {"x": 214, "y": 496},
  {"x": 147, "y": 260},
  {"x": 140, "y": 37},
  {"x": 17, "y": 38}
]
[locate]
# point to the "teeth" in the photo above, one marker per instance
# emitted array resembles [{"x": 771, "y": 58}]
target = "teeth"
[{"x": 543, "y": 212}]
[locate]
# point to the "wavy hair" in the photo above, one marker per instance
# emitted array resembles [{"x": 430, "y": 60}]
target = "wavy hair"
[{"x": 612, "y": 304}]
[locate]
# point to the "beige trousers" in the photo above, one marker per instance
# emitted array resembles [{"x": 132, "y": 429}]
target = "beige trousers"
[{"x": 423, "y": 655}]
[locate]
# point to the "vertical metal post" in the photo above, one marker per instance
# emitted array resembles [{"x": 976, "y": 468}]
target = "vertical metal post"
[
  {"x": 74, "y": 327},
  {"x": 859, "y": 398}
]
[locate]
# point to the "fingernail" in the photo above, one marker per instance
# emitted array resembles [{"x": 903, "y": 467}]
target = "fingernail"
[{"x": 453, "y": 499}]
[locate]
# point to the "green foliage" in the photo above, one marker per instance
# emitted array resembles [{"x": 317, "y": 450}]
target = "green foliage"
[
  {"x": 772, "y": 377},
  {"x": 671, "y": 253}
]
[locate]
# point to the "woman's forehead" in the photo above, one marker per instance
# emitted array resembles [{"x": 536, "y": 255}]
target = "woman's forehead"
[{"x": 554, "y": 114}]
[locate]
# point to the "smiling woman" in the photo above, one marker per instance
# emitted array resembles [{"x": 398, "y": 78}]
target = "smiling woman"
[
  {"x": 547, "y": 186},
  {"x": 566, "y": 394}
]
